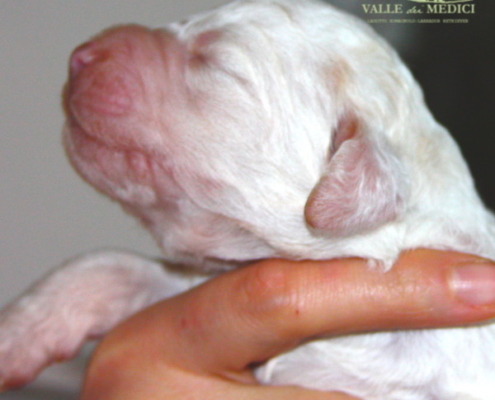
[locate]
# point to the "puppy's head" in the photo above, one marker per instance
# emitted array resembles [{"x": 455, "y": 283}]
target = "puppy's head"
[{"x": 245, "y": 132}]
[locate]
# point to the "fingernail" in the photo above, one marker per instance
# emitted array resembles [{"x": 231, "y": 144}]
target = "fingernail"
[{"x": 474, "y": 284}]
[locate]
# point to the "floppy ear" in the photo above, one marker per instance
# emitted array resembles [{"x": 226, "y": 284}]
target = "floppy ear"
[{"x": 362, "y": 187}]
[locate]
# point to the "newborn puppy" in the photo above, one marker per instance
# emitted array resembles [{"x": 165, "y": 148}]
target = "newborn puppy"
[{"x": 265, "y": 128}]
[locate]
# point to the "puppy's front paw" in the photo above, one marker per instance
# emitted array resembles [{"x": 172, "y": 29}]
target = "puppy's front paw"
[{"x": 30, "y": 339}]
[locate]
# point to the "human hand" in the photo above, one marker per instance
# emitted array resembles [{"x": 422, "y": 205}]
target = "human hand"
[{"x": 202, "y": 343}]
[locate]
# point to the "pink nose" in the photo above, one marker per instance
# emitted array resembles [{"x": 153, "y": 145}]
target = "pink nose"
[
  {"x": 82, "y": 56},
  {"x": 98, "y": 85},
  {"x": 114, "y": 42}
]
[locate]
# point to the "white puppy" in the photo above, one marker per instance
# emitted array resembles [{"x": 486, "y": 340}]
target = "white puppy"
[{"x": 266, "y": 128}]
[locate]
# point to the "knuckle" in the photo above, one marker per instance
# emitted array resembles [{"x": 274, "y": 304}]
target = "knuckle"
[{"x": 271, "y": 289}]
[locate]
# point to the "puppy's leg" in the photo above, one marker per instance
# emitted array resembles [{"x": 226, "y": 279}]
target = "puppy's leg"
[{"x": 83, "y": 299}]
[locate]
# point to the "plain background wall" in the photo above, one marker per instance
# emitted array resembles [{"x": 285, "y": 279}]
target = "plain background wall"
[{"x": 47, "y": 214}]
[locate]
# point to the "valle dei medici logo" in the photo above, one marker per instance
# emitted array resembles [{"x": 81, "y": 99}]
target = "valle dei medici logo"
[{"x": 419, "y": 11}]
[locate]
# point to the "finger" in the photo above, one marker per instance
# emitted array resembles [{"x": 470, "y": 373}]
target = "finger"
[
  {"x": 250, "y": 315},
  {"x": 218, "y": 388},
  {"x": 145, "y": 381},
  {"x": 285, "y": 393}
]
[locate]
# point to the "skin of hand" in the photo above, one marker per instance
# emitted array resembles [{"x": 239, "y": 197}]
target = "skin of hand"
[{"x": 203, "y": 343}]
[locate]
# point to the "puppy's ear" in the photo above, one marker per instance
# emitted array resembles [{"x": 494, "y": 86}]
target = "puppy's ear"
[{"x": 362, "y": 186}]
